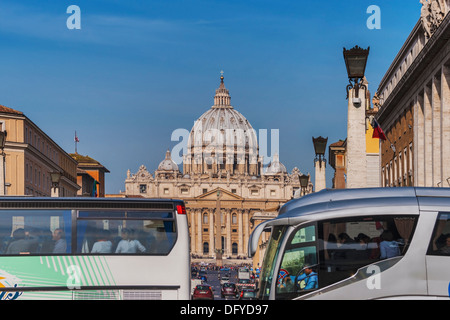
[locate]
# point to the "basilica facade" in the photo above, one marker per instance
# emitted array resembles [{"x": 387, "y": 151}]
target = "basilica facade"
[{"x": 227, "y": 189}]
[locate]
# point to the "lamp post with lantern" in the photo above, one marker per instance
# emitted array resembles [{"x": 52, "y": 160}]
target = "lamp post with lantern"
[
  {"x": 320, "y": 145},
  {"x": 355, "y": 62},
  {"x": 304, "y": 181},
  {"x": 56, "y": 177}
]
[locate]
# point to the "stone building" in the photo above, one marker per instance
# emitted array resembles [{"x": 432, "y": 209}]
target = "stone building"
[
  {"x": 225, "y": 186},
  {"x": 414, "y": 99},
  {"x": 90, "y": 176},
  {"x": 30, "y": 156}
]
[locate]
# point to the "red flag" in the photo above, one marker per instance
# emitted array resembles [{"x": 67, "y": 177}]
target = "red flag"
[
  {"x": 76, "y": 138},
  {"x": 377, "y": 131}
]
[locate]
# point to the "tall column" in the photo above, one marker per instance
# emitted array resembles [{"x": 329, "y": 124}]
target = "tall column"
[
  {"x": 246, "y": 231},
  {"x": 211, "y": 232},
  {"x": 240, "y": 234},
  {"x": 445, "y": 111},
  {"x": 199, "y": 232},
  {"x": 436, "y": 131},
  {"x": 320, "y": 182},
  {"x": 419, "y": 147},
  {"x": 229, "y": 251},
  {"x": 428, "y": 137},
  {"x": 192, "y": 219},
  {"x": 356, "y": 142}
]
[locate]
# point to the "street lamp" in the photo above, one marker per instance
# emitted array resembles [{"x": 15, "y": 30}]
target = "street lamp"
[
  {"x": 55, "y": 177},
  {"x": 304, "y": 179},
  {"x": 3, "y": 135},
  {"x": 320, "y": 145},
  {"x": 356, "y": 61}
]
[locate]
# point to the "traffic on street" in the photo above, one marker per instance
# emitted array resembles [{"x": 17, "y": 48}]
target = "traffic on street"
[{"x": 209, "y": 282}]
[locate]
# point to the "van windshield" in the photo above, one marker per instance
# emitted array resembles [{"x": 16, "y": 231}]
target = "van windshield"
[{"x": 270, "y": 258}]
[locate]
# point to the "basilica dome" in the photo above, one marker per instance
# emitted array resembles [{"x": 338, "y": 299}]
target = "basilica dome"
[
  {"x": 221, "y": 136},
  {"x": 221, "y": 123}
]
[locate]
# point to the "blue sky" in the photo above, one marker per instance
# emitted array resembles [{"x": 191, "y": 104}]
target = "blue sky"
[{"x": 140, "y": 69}]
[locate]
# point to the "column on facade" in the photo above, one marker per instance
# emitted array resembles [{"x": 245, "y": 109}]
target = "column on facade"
[
  {"x": 228, "y": 229},
  {"x": 419, "y": 134},
  {"x": 192, "y": 223},
  {"x": 212, "y": 245},
  {"x": 246, "y": 231},
  {"x": 445, "y": 110},
  {"x": 428, "y": 138},
  {"x": 436, "y": 130},
  {"x": 240, "y": 233},
  {"x": 199, "y": 217}
]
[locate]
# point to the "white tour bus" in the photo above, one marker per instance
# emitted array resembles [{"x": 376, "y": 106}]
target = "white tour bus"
[
  {"x": 381, "y": 243},
  {"x": 93, "y": 248}
]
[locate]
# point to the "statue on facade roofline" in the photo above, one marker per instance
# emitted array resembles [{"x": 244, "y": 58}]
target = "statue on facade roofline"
[{"x": 432, "y": 15}]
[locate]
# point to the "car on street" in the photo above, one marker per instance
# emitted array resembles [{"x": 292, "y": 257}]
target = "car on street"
[
  {"x": 229, "y": 290},
  {"x": 247, "y": 294},
  {"x": 203, "y": 292},
  {"x": 224, "y": 280},
  {"x": 245, "y": 283}
]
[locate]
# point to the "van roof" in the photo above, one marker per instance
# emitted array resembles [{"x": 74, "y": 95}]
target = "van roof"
[
  {"x": 367, "y": 201},
  {"x": 330, "y": 195}
]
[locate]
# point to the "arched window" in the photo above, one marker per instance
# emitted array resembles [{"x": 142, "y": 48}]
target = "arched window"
[
  {"x": 234, "y": 218},
  {"x": 205, "y": 218},
  {"x": 205, "y": 248}
]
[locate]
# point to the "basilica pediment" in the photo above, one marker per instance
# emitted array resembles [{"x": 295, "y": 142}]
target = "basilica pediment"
[{"x": 224, "y": 195}]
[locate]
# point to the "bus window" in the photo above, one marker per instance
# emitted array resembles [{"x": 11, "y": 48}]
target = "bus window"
[
  {"x": 31, "y": 232},
  {"x": 125, "y": 232},
  {"x": 298, "y": 271},
  {"x": 440, "y": 241},
  {"x": 351, "y": 243}
]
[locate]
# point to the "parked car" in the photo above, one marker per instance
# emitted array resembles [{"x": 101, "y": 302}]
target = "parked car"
[
  {"x": 203, "y": 292},
  {"x": 229, "y": 290},
  {"x": 248, "y": 294}
]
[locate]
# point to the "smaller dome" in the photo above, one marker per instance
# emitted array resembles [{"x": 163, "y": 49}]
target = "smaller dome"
[
  {"x": 276, "y": 167},
  {"x": 168, "y": 164}
]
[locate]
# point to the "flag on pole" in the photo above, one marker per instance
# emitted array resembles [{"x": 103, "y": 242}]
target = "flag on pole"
[
  {"x": 377, "y": 131},
  {"x": 76, "y": 141}
]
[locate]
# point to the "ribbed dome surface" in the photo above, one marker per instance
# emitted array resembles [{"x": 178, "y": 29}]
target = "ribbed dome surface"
[{"x": 221, "y": 124}]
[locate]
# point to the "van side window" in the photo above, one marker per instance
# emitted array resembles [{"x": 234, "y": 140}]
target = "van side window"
[
  {"x": 351, "y": 243},
  {"x": 440, "y": 240}
]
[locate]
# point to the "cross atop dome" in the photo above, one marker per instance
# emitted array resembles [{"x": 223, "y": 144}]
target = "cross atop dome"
[{"x": 222, "y": 98}]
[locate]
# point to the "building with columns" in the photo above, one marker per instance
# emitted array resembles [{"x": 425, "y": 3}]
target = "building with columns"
[
  {"x": 414, "y": 101},
  {"x": 224, "y": 184}
]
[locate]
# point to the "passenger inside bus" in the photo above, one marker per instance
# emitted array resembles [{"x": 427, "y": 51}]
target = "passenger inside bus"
[
  {"x": 103, "y": 244},
  {"x": 19, "y": 243},
  {"x": 128, "y": 244}
]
